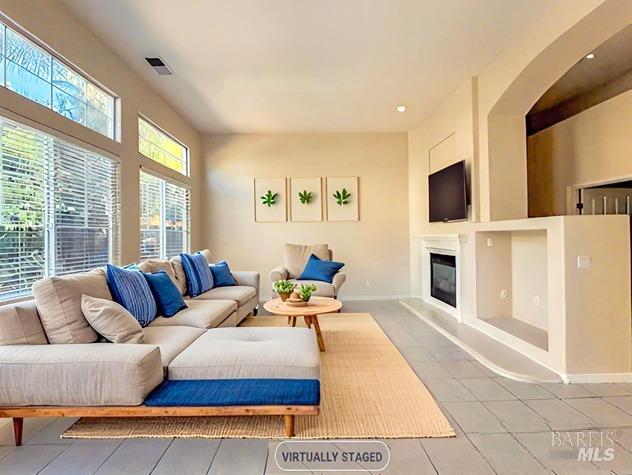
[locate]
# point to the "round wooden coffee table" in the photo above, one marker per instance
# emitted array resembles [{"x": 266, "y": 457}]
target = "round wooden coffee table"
[{"x": 316, "y": 306}]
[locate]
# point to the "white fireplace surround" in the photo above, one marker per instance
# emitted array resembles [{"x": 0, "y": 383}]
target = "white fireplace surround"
[{"x": 449, "y": 245}]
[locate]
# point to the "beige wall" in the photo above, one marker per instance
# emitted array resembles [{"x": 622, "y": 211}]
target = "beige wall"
[
  {"x": 51, "y": 22},
  {"x": 375, "y": 249},
  {"x": 454, "y": 124},
  {"x": 593, "y": 146}
]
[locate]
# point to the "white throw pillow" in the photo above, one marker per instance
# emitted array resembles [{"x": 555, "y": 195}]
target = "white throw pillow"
[{"x": 111, "y": 320}]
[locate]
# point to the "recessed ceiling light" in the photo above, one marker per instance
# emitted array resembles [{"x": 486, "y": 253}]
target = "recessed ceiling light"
[
  {"x": 590, "y": 56},
  {"x": 401, "y": 108}
]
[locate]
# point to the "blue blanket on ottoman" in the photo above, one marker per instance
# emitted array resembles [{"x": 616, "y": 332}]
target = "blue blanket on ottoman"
[{"x": 236, "y": 392}]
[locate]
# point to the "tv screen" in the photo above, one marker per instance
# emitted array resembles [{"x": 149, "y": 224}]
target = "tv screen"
[{"x": 447, "y": 191}]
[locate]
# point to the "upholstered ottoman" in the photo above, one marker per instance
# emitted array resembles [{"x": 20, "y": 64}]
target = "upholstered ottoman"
[
  {"x": 249, "y": 353},
  {"x": 245, "y": 371}
]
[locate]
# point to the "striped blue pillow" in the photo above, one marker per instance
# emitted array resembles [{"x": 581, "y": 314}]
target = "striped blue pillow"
[
  {"x": 130, "y": 289},
  {"x": 198, "y": 273}
]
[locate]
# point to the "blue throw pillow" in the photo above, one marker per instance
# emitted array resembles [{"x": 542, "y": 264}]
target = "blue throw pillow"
[
  {"x": 198, "y": 273},
  {"x": 222, "y": 276},
  {"x": 317, "y": 269},
  {"x": 130, "y": 289},
  {"x": 168, "y": 297}
]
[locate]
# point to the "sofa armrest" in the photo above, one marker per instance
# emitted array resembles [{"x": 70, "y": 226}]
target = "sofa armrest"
[
  {"x": 278, "y": 273},
  {"x": 338, "y": 280},
  {"x": 93, "y": 374},
  {"x": 247, "y": 278}
]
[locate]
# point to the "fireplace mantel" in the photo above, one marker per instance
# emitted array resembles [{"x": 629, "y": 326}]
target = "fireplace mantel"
[{"x": 447, "y": 244}]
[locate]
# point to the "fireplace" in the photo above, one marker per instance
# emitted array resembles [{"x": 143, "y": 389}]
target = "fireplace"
[{"x": 443, "y": 278}]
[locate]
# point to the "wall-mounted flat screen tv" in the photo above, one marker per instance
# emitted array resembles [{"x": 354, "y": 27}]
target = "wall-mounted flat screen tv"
[{"x": 447, "y": 191}]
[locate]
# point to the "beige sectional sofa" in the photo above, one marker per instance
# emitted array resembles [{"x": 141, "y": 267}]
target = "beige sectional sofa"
[{"x": 51, "y": 357}]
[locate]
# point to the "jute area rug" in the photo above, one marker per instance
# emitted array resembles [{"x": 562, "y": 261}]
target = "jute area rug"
[{"x": 367, "y": 391}]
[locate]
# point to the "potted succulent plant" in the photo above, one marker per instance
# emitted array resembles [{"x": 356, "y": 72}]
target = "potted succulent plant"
[
  {"x": 284, "y": 288},
  {"x": 306, "y": 290}
]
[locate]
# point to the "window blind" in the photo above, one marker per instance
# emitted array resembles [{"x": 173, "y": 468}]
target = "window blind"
[
  {"x": 164, "y": 218},
  {"x": 150, "y": 216},
  {"x": 58, "y": 208},
  {"x": 176, "y": 219}
]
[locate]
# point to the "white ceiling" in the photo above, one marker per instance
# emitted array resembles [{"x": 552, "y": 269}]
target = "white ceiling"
[{"x": 308, "y": 65}]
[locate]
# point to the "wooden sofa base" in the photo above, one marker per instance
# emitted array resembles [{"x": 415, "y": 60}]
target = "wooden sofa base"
[{"x": 19, "y": 413}]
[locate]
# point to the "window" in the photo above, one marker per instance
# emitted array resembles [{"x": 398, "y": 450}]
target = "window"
[
  {"x": 58, "y": 208},
  {"x": 28, "y": 70},
  {"x": 164, "y": 218},
  {"x": 162, "y": 148}
]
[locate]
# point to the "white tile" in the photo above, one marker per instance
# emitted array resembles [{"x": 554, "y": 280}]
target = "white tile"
[
  {"x": 29, "y": 459},
  {"x": 525, "y": 390},
  {"x": 473, "y": 417},
  {"x": 463, "y": 369},
  {"x": 82, "y": 457},
  {"x": 559, "y": 415},
  {"x": 622, "y": 402},
  {"x": 604, "y": 414},
  {"x": 540, "y": 446},
  {"x": 486, "y": 389},
  {"x": 566, "y": 391},
  {"x": 430, "y": 370},
  {"x": 448, "y": 390},
  {"x": 506, "y": 455},
  {"x": 455, "y": 456},
  {"x": 515, "y": 416},
  {"x": 606, "y": 389}
]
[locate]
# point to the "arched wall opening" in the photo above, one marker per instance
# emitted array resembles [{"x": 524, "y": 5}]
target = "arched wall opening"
[{"x": 502, "y": 111}]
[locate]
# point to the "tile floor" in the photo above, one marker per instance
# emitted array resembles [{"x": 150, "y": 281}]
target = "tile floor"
[{"x": 502, "y": 426}]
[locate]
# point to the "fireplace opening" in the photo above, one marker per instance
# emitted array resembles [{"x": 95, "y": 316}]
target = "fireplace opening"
[{"x": 443, "y": 278}]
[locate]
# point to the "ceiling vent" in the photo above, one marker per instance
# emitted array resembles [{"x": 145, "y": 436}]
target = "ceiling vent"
[{"x": 159, "y": 66}]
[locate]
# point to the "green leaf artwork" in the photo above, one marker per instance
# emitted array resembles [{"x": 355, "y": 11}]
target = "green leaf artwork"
[
  {"x": 269, "y": 199},
  {"x": 305, "y": 197},
  {"x": 342, "y": 197}
]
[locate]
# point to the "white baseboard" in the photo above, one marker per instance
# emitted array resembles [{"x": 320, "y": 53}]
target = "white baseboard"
[
  {"x": 597, "y": 378},
  {"x": 351, "y": 298}
]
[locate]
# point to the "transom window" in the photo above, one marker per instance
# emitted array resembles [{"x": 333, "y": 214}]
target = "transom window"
[
  {"x": 164, "y": 218},
  {"x": 162, "y": 148},
  {"x": 30, "y": 71},
  {"x": 59, "y": 208}
]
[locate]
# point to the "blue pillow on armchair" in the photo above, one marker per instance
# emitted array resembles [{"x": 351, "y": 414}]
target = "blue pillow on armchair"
[
  {"x": 317, "y": 269},
  {"x": 168, "y": 297},
  {"x": 130, "y": 289},
  {"x": 222, "y": 276}
]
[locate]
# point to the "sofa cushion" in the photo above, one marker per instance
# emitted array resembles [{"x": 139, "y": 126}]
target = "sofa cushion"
[
  {"x": 238, "y": 293},
  {"x": 200, "y": 314},
  {"x": 58, "y": 301},
  {"x": 323, "y": 289},
  {"x": 249, "y": 352},
  {"x": 236, "y": 392},
  {"x": 167, "y": 296},
  {"x": 130, "y": 288},
  {"x": 207, "y": 255},
  {"x": 171, "y": 340},
  {"x": 95, "y": 374},
  {"x": 198, "y": 272},
  {"x": 156, "y": 265},
  {"x": 178, "y": 268},
  {"x": 111, "y": 320},
  {"x": 296, "y": 255},
  {"x": 20, "y": 325}
]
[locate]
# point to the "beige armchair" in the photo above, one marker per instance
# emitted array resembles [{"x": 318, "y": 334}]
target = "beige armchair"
[{"x": 295, "y": 257}]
